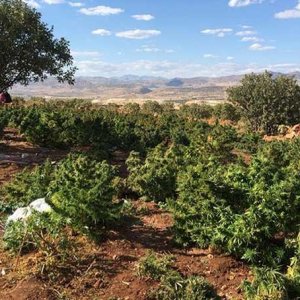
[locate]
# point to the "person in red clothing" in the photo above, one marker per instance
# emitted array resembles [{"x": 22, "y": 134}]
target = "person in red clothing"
[{"x": 5, "y": 98}]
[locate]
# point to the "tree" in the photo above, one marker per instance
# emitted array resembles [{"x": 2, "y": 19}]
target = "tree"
[
  {"x": 28, "y": 49},
  {"x": 267, "y": 101}
]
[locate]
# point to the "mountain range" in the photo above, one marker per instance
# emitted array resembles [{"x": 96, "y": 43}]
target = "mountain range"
[{"x": 136, "y": 88}]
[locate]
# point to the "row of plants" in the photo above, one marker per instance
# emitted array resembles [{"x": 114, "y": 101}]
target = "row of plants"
[
  {"x": 77, "y": 123},
  {"x": 251, "y": 211}
]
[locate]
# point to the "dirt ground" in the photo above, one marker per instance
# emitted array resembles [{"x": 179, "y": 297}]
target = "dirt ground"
[{"x": 107, "y": 270}]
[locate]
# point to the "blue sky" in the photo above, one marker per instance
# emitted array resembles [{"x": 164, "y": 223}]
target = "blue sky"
[{"x": 177, "y": 38}]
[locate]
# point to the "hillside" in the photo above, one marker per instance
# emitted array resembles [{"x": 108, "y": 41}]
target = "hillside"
[{"x": 132, "y": 88}]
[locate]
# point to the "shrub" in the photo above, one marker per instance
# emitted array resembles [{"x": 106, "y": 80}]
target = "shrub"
[
  {"x": 152, "y": 107},
  {"x": 83, "y": 191},
  {"x": 267, "y": 284},
  {"x": 227, "y": 111},
  {"x": 293, "y": 271},
  {"x": 26, "y": 187},
  {"x": 3, "y": 120},
  {"x": 155, "y": 177},
  {"x": 154, "y": 266},
  {"x": 239, "y": 208},
  {"x": 267, "y": 101},
  {"x": 197, "y": 111},
  {"x": 250, "y": 142},
  {"x": 175, "y": 287},
  {"x": 40, "y": 231}
]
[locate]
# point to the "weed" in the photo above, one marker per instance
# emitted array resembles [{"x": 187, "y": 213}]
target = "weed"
[{"x": 154, "y": 266}]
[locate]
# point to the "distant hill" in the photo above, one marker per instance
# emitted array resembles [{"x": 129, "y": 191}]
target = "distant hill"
[
  {"x": 136, "y": 88},
  {"x": 176, "y": 82},
  {"x": 144, "y": 90}
]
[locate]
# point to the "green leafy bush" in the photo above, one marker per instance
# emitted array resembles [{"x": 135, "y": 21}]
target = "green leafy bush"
[
  {"x": 42, "y": 231},
  {"x": 196, "y": 111},
  {"x": 250, "y": 142},
  {"x": 176, "y": 287},
  {"x": 293, "y": 271},
  {"x": 26, "y": 187},
  {"x": 227, "y": 111},
  {"x": 172, "y": 284},
  {"x": 4, "y": 119},
  {"x": 268, "y": 284},
  {"x": 154, "y": 266},
  {"x": 155, "y": 177},
  {"x": 267, "y": 101},
  {"x": 83, "y": 191},
  {"x": 240, "y": 208}
]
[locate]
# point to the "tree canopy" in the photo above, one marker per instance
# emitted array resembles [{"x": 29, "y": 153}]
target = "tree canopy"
[
  {"x": 28, "y": 49},
  {"x": 267, "y": 101}
]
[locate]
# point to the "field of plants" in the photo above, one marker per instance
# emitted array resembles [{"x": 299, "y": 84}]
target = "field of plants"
[{"x": 146, "y": 202}]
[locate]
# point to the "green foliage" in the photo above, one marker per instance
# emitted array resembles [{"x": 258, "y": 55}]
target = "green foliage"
[
  {"x": 82, "y": 191},
  {"x": 39, "y": 231},
  {"x": 174, "y": 287},
  {"x": 249, "y": 142},
  {"x": 4, "y": 118},
  {"x": 26, "y": 187},
  {"x": 221, "y": 141},
  {"x": 250, "y": 210},
  {"x": 155, "y": 177},
  {"x": 268, "y": 284},
  {"x": 131, "y": 108},
  {"x": 154, "y": 266},
  {"x": 197, "y": 111},
  {"x": 241, "y": 208},
  {"x": 293, "y": 271},
  {"x": 152, "y": 107},
  {"x": 227, "y": 111},
  {"x": 23, "y": 34},
  {"x": 267, "y": 101}
]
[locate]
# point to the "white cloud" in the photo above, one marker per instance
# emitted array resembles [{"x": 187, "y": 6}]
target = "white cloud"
[
  {"x": 146, "y": 48},
  {"x": 54, "y": 1},
  {"x": 100, "y": 10},
  {"x": 143, "y": 17},
  {"x": 260, "y": 47},
  {"x": 245, "y": 33},
  {"x": 76, "y": 4},
  {"x": 290, "y": 13},
  {"x": 85, "y": 53},
  {"x": 219, "y": 32},
  {"x": 32, "y": 3},
  {"x": 208, "y": 55},
  {"x": 253, "y": 39},
  {"x": 240, "y": 3},
  {"x": 152, "y": 49},
  {"x": 138, "y": 34},
  {"x": 169, "y": 69},
  {"x": 246, "y": 27},
  {"x": 230, "y": 58},
  {"x": 101, "y": 32}
]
